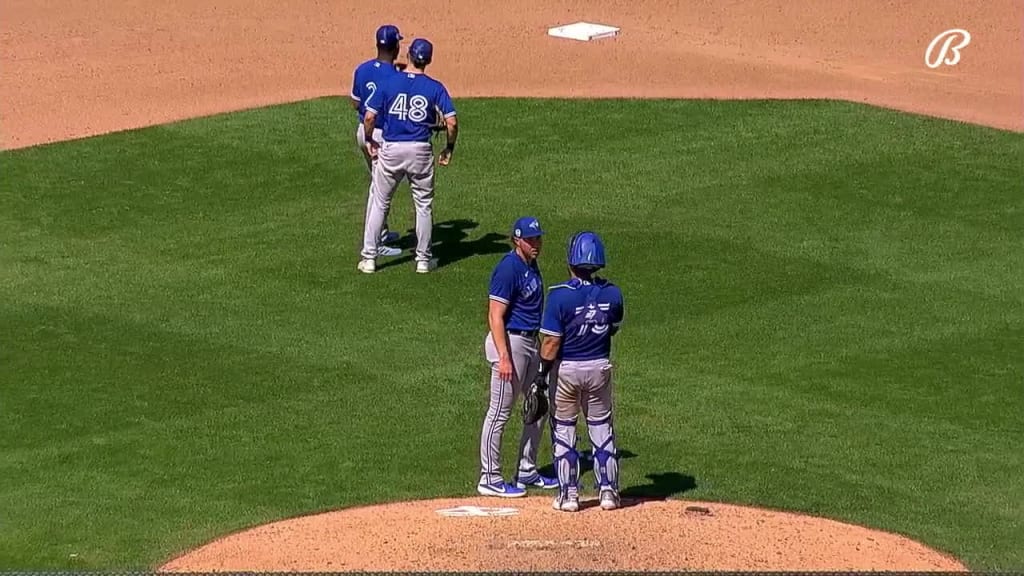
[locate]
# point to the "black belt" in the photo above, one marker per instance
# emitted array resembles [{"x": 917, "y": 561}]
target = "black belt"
[{"x": 527, "y": 333}]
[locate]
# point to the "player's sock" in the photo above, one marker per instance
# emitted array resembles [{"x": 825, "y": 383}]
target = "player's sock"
[
  {"x": 564, "y": 453},
  {"x": 606, "y": 464}
]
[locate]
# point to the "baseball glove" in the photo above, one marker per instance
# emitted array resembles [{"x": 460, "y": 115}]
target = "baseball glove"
[{"x": 535, "y": 402}]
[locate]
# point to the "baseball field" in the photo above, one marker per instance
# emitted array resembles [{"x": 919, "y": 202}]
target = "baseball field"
[{"x": 819, "y": 239}]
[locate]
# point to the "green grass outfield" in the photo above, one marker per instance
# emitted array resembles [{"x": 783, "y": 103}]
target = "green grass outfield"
[{"x": 825, "y": 313}]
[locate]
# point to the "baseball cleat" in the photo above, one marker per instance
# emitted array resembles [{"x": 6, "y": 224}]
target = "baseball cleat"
[
  {"x": 609, "y": 499},
  {"x": 425, "y": 267},
  {"x": 388, "y": 237},
  {"x": 503, "y": 490},
  {"x": 367, "y": 266},
  {"x": 567, "y": 502},
  {"x": 388, "y": 251},
  {"x": 538, "y": 481}
]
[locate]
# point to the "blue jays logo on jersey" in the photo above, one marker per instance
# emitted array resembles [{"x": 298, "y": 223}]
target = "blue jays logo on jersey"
[{"x": 531, "y": 286}]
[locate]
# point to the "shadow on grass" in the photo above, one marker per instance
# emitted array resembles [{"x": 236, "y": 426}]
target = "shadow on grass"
[
  {"x": 448, "y": 244},
  {"x": 661, "y": 485}
]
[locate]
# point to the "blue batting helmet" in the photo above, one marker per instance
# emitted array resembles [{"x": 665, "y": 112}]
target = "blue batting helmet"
[
  {"x": 421, "y": 50},
  {"x": 586, "y": 250}
]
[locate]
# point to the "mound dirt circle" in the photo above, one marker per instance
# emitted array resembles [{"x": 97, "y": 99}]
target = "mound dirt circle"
[{"x": 526, "y": 534}]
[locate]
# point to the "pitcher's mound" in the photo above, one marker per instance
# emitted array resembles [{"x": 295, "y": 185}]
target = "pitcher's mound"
[{"x": 526, "y": 534}]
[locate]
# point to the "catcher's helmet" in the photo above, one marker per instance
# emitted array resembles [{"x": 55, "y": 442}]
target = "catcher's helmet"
[
  {"x": 586, "y": 251},
  {"x": 421, "y": 50}
]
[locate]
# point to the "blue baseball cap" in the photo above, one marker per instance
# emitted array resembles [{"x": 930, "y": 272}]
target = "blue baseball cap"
[
  {"x": 527, "y": 227},
  {"x": 421, "y": 49},
  {"x": 388, "y": 35}
]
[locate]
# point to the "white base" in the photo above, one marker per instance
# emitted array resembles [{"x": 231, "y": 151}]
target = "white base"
[{"x": 584, "y": 31}]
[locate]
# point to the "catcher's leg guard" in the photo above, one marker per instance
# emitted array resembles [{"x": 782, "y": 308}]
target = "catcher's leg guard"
[
  {"x": 563, "y": 438},
  {"x": 606, "y": 459}
]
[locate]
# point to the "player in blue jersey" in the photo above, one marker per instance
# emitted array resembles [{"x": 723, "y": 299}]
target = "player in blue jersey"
[
  {"x": 516, "y": 302},
  {"x": 579, "y": 321},
  {"x": 411, "y": 102},
  {"x": 366, "y": 80}
]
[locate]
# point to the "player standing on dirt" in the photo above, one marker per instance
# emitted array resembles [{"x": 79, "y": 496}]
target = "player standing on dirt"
[{"x": 366, "y": 80}]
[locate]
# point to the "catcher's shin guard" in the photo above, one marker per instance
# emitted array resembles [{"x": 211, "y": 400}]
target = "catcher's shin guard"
[
  {"x": 565, "y": 456},
  {"x": 606, "y": 458}
]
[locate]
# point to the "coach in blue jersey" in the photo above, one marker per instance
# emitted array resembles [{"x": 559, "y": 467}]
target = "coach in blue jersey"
[
  {"x": 516, "y": 301},
  {"x": 366, "y": 79},
  {"x": 411, "y": 102},
  {"x": 580, "y": 319}
]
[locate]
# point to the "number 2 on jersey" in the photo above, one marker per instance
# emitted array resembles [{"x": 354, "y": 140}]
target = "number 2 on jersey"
[{"x": 415, "y": 111}]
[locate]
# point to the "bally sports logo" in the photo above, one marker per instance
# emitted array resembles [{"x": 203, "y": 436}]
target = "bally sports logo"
[{"x": 944, "y": 43}]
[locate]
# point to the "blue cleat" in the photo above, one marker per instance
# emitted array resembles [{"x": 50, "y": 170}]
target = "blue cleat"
[
  {"x": 538, "y": 481},
  {"x": 503, "y": 490},
  {"x": 388, "y": 237}
]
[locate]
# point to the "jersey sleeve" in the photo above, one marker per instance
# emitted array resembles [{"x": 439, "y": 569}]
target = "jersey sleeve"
[
  {"x": 444, "y": 102},
  {"x": 617, "y": 310},
  {"x": 551, "y": 322},
  {"x": 503, "y": 281},
  {"x": 355, "y": 86}
]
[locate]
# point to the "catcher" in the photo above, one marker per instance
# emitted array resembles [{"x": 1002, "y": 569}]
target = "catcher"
[{"x": 580, "y": 319}]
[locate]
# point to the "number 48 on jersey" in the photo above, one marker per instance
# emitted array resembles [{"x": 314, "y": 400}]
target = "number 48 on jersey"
[{"x": 412, "y": 108}]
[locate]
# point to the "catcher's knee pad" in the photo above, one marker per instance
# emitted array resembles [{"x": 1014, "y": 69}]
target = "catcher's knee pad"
[
  {"x": 566, "y": 458},
  {"x": 606, "y": 457}
]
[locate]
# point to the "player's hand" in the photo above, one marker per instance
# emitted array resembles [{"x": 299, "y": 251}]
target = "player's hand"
[
  {"x": 372, "y": 148},
  {"x": 505, "y": 369},
  {"x": 444, "y": 158}
]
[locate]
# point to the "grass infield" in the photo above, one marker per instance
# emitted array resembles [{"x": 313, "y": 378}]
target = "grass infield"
[{"x": 824, "y": 313}]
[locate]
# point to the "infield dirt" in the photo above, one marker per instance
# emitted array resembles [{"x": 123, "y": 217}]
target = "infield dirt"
[
  {"x": 491, "y": 534},
  {"x": 83, "y": 67},
  {"x": 79, "y": 68}
]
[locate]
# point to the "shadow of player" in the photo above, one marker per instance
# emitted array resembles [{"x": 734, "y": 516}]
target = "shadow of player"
[
  {"x": 663, "y": 486},
  {"x": 448, "y": 244}
]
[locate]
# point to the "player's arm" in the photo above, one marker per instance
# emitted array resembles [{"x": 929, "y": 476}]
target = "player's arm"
[
  {"x": 369, "y": 123},
  {"x": 551, "y": 328},
  {"x": 496, "y": 322},
  {"x": 451, "y": 124},
  {"x": 502, "y": 284},
  {"x": 374, "y": 105}
]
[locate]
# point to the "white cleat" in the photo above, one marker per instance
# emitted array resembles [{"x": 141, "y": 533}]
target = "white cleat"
[
  {"x": 609, "y": 499},
  {"x": 567, "y": 502},
  {"x": 388, "y": 251},
  {"x": 367, "y": 266},
  {"x": 503, "y": 490},
  {"x": 426, "y": 267}
]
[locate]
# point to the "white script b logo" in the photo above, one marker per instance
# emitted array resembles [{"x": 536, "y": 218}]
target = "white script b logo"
[{"x": 946, "y": 39}]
